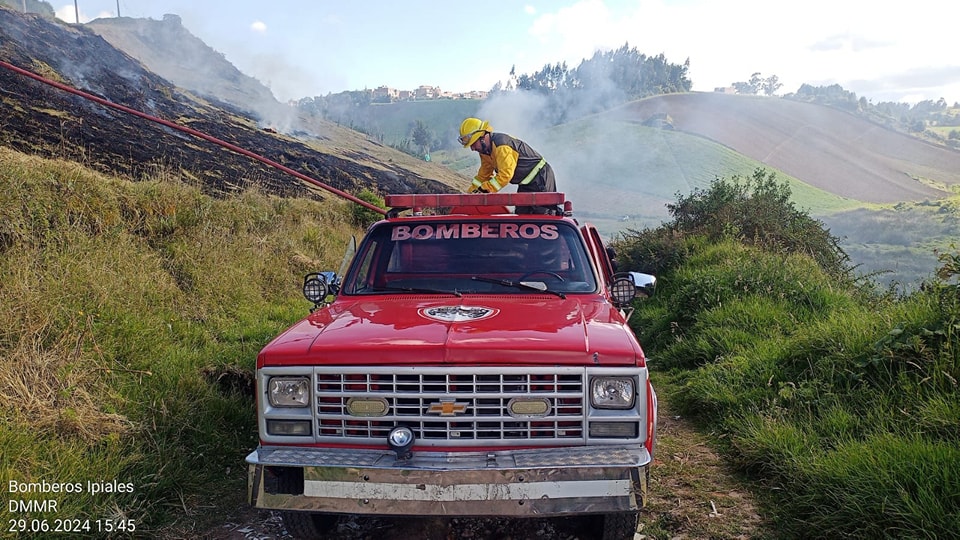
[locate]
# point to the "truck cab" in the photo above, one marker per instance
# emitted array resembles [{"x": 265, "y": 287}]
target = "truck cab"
[{"x": 469, "y": 361}]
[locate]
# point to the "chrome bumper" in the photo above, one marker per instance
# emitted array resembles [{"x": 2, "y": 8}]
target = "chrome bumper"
[{"x": 596, "y": 479}]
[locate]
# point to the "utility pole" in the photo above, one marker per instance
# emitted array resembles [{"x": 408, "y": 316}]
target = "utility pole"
[
  {"x": 118, "y": 9},
  {"x": 76, "y": 11}
]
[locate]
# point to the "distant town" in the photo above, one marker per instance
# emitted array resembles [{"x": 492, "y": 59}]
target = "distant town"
[{"x": 385, "y": 94}]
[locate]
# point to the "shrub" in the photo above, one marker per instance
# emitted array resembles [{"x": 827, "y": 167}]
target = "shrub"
[
  {"x": 755, "y": 211},
  {"x": 363, "y": 216},
  {"x": 729, "y": 282}
]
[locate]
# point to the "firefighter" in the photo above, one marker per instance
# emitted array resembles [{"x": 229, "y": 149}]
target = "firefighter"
[{"x": 506, "y": 160}]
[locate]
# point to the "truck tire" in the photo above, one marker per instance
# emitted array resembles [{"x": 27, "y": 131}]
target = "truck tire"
[
  {"x": 308, "y": 525},
  {"x": 620, "y": 526}
]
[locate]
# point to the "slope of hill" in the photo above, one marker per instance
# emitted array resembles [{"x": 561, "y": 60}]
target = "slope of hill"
[
  {"x": 825, "y": 147},
  {"x": 42, "y": 120},
  {"x": 171, "y": 51},
  {"x": 621, "y": 174}
]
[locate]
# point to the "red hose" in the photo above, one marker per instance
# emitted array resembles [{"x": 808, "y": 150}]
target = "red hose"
[{"x": 193, "y": 132}]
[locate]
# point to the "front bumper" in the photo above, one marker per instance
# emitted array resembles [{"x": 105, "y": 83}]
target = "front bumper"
[{"x": 544, "y": 482}]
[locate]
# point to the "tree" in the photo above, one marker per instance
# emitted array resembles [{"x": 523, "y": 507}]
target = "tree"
[
  {"x": 771, "y": 84},
  {"x": 751, "y": 87},
  {"x": 756, "y": 84},
  {"x": 755, "y": 210},
  {"x": 742, "y": 88},
  {"x": 363, "y": 216},
  {"x": 422, "y": 136}
]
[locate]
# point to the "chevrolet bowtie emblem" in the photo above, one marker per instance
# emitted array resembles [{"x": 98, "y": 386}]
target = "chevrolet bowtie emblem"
[{"x": 447, "y": 408}]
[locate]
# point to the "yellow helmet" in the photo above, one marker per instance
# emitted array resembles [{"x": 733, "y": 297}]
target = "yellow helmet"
[{"x": 472, "y": 129}]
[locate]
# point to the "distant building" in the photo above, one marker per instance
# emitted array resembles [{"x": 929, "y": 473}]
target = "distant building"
[
  {"x": 725, "y": 90},
  {"x": 384, "y": 93},
  {"x": 426, "y": 92}
]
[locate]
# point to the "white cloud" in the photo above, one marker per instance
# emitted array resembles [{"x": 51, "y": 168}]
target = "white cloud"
[
  {"x": 259, "y": 27},
  {"x": 574, "y": 32},
  {"x": 68, "y": 13}
]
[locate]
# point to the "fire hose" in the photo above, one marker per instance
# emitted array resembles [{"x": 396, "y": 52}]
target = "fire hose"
[{"x": 193, "y": 132}]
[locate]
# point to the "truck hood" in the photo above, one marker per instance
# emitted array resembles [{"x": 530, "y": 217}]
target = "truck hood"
[{"x": 427, "y": 330}]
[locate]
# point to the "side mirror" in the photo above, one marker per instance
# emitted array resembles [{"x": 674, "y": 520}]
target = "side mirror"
[
  {"x": 645, "y": 283},
  {"x": 629, "y": 285}
]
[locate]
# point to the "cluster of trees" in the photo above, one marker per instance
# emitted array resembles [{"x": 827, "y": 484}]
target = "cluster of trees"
[
  {"x": 627, "y": 70},
  {"x": 757, "y": 84},
  {"x": 606, "y": 80}
]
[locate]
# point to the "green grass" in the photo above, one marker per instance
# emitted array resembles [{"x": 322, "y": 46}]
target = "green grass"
[
  {"x": 843, "y": 405},
  {"x": 133, "y": 316}
]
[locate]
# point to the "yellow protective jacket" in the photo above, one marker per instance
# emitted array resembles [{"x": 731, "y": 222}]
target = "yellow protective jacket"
[{"x": 512, "y": 161}]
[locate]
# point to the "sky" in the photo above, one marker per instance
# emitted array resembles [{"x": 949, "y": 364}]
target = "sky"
[{"x": 885, "y": 51}]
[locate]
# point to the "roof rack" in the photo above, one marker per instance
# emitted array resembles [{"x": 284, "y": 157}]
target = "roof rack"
[{"x": 416, "y": 201}]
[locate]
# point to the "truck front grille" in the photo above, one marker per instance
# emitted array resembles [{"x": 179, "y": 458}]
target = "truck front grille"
[{"x": 452, "y": 407}]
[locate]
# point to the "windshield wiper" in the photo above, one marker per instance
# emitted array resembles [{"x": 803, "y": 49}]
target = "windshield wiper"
[
  {"x": 420, "y": 290},
  {"x": 529, "y": 285}
]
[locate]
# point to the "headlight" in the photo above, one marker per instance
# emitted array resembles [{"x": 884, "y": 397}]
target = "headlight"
[
  {"x": 289, "y": 391},
  {"x": 623, "y": 291},
  {"x": 315, "y": 288},
  {"x": 612, "y": 392}
]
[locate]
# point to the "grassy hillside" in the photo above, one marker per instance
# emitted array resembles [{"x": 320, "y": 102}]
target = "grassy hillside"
[
  {"x": 843, "y": 409},
  {"x": 843, "y": 405},
  {"x": 393, "y": 123},
  {"x": 828, "y": 148},
  {"x": 135, "y": 311},
  {"x": 133, "y": 316}
]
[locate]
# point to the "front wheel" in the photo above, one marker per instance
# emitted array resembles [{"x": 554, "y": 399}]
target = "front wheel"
[
  {"x": 620, "y": 526},
  {"x": 308, "y": 525}
]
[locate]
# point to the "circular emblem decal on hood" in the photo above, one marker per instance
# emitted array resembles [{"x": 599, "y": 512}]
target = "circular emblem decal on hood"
[{"x": 458, "y": 313}]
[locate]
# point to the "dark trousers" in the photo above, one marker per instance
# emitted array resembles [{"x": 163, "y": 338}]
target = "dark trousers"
[{"x": 545, "y": 181}]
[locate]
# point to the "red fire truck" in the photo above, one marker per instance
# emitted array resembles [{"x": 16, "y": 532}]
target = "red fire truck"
[{"x": 468, "y": 361}]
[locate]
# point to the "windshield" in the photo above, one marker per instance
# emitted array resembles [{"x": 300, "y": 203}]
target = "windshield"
[{"x": 472, "y": 257}]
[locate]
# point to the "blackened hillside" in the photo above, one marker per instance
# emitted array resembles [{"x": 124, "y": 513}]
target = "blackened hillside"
[{"x": 43, "y": 120}]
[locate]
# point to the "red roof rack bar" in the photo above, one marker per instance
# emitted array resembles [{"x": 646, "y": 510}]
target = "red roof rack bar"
[{"x": 437, "y": 200}]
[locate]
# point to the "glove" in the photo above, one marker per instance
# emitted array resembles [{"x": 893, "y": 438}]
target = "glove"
[{"x": 488, "y": 186}]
